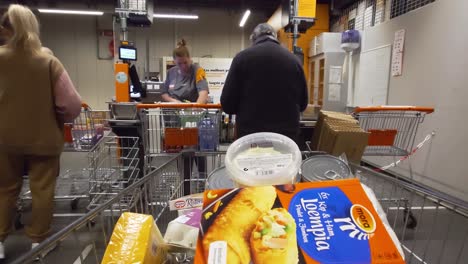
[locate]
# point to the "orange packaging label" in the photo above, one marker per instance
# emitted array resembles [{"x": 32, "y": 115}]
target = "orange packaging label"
[{"x": 320, "y": 222}]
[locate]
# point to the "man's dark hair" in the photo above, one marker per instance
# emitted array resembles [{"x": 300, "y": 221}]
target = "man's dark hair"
[{"x": 263, "y": 29}]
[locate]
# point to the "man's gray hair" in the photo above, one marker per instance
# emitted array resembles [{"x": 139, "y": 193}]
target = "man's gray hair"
[{"x": 263, "y": 29}]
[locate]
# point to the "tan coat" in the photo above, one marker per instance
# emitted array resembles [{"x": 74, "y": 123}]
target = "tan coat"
[{"x": 28, "y": 115}]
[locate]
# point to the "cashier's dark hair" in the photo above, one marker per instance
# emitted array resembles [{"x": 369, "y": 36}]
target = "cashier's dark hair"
[{"x": 181, "y": 50}]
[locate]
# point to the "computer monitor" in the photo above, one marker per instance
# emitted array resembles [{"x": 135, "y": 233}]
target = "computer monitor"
[{"x": 127, "y": 53}]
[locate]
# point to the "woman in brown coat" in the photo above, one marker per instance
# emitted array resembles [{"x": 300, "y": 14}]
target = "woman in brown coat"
[{"x": 36, "y": 98}]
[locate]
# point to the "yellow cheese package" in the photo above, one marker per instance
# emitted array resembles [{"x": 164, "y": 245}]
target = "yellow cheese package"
[
  {"x": 314, "y": 222},
  {"x": 136, "y": 239}
]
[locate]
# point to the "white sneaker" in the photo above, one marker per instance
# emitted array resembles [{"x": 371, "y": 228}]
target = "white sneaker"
[
  {"x": 2, "y": 251},
  {"x": 45, "y": 252}
]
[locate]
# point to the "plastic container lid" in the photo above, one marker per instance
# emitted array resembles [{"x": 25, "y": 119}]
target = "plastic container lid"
[
  {"x": 263, "y": 159},
  {"x": 323, "y": 168}
]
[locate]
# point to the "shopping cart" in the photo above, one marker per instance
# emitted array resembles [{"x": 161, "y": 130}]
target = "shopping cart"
[
  {"x": 392, "y": 128},
  {"x": 86, "y": 129},
  {"x": 113, "y": 166},
  {"x": 393, "y": 131},
  {"x": 441, "y": 236},
  {"x": 171, "y": 128}
]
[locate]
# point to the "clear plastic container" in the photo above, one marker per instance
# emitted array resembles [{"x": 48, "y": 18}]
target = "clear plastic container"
[{"x": 263, "y": 159}]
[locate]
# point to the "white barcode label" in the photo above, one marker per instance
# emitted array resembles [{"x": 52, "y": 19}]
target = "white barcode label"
[
  {"x": 264, "y": 165},
  {"x": 217, "y": 253},
  {"x": 264, "y": 173}
]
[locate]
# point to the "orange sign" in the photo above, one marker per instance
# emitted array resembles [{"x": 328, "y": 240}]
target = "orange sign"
[{"x": 122, "y": 92}]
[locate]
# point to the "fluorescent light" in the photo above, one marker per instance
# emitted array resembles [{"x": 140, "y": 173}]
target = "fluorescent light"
[
  {"x": 244, "y": 18},
  {"x": 175, "y": 16},
  {"x": 71, "y": 12}
]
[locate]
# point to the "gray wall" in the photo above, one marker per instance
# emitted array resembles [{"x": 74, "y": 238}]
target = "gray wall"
[
  {"x": 74, "y": 41},
  {"x": 435, "y": 73}
]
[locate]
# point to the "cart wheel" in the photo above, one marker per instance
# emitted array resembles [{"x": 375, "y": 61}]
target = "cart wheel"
[
  {"x": 74, "y": 204},
  {"x": 18, "y": 224},
  {"x": 412, "y": 222}
]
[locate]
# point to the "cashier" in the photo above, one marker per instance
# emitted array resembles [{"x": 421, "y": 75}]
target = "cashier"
[{"x": 186, "y": 82}]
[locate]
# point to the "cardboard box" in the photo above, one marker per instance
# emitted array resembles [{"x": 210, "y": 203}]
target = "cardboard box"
[
  {"x": 326, "y": 117},
  {"x": 320, "y": 222},
  {"x": 338, "y": 133}
]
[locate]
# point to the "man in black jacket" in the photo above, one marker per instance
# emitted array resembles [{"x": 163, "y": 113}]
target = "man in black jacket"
[{"x": 265, "y": 87}]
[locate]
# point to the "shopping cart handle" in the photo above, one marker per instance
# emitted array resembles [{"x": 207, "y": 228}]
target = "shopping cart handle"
[
  {"x": 427, "y": 110},
  {"x": 84, "y": 105},
  {"x": 179, "y": 106}
]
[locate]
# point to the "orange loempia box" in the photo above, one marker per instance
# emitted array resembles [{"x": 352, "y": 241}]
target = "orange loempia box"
[{"x": 320, "y": 222}]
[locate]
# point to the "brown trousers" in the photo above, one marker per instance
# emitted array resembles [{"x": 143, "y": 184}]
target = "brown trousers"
[{"x": 42, "y": 172}]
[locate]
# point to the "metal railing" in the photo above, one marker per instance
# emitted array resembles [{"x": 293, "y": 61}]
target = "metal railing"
[{"x": 103, "y": 218}]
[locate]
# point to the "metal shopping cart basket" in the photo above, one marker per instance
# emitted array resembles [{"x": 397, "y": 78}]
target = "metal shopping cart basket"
[
  {"x": 441, "y": 236},
  {"x": 86, "y": 129},
  {"x": 170, "y": 128},
  {"x": 392, "y": 128},
  {"x": 114, "y": 165},
  {"x": 173, "y": 128}
]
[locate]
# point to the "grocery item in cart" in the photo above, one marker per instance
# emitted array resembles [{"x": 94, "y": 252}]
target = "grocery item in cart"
[
  {"x": 231, "y": 222},
  {"x": 186, "y": 202},
  {"x": 330, "y": 222},
  {"x": 135, "y": 239},
  {"x": 338, "y": 133},
  {"x": 274, "y": 238},
  {"x": 219, "y": 179},
  {"x": 263, "y": 159},
  {"x": 208, "y": 135},
  {"x": 323, "y": 168},
  {"x": 183, "y": 231}
]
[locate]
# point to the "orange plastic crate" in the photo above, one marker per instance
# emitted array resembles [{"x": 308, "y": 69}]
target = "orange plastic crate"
[
  {"x": 190, "y": 136},
  {"x": 382, "y": 137},
  {"x": 177, "y": 138}
]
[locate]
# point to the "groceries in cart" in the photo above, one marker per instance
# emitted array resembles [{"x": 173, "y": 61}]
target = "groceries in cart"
[
  {"x": 208, "y": 137},
  {"x": 86, "y": 130},
  {"x": 337, "y": 133},
  {"x": 325, "y": 168},
  {"x": 183, "y": 231},
  {"x": 192, "y": 129},
  {"x": 186, "y": 202},
  {"x": 263, "y": 159},
  {"x": 330, "y": 222},
  {"x": 136, "y": 239}
]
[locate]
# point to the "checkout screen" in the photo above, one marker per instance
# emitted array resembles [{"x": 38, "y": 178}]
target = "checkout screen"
[{"x": 127, "y": 53}]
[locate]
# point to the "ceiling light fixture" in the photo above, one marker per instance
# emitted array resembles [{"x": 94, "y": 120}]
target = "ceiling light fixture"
[
  {"x": 175, "y": 16},
  {"x": 244, "y": 18},
  {"x": 71, "y": 12}
]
